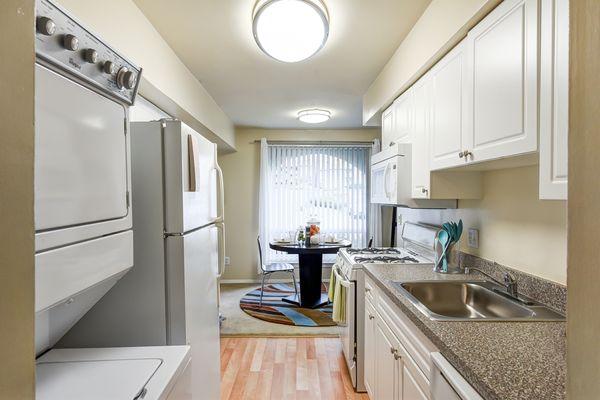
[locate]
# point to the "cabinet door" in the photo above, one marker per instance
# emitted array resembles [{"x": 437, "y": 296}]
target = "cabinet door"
[
  {"x": 410, "y": 388},
  {"x": 447, "y": 108},
  {"x": 387, "y": 127},
  {"x": 420, "y": 139},
  {"x": 370, "y": 349},
  {"x": 554, "y": 99},
  {"x": 386, "y": 366},
  {"x": 502, "y": 81},
  {"x": 402, "y": 117}
]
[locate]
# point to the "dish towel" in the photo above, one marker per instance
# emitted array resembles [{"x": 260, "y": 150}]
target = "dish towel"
[{"x": 337, "y": 295}]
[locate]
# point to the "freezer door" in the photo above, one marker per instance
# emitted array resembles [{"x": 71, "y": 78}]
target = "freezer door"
[
  {"x": 192, "y": 313},
  {"x": 190, "y": 178}
]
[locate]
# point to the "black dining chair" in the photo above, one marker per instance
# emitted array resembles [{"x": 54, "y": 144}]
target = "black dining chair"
[{"x": 268, "y": 269}]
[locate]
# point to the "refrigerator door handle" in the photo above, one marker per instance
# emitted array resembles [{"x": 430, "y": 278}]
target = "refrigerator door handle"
[
  {"x": 221, "y": 227},
  {"x": 221, "y": 195}
]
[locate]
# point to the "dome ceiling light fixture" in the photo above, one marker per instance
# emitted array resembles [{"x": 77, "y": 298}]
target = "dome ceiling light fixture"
[
  {"x": 314, "y": 116},
  {"x": 290, "y": 30}
]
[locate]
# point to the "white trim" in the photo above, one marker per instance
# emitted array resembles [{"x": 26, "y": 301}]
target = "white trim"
[{"x": 233, "y": 281}]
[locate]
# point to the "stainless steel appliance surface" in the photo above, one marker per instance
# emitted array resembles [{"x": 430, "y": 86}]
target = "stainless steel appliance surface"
[{"x": 417, "y": 248}]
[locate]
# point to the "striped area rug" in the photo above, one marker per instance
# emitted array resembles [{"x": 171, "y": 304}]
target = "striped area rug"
[{"x": 279, "y": 312}]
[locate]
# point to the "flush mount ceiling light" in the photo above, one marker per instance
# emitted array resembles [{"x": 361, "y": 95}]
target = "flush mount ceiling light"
[
  {"x": 290, "y": 30},
  {"x": 314, "y": 116}
]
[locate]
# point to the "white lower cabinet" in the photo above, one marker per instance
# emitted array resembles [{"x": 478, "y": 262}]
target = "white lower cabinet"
[
  {"x": 386, "y": 362},
  {"x": 370, "y": 347},
  {"x": 398, "y": 356}
]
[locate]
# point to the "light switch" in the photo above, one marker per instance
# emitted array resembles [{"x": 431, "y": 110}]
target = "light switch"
[
  {"x": 473, "y": 238},
  {"x": 227, "y": 260}
]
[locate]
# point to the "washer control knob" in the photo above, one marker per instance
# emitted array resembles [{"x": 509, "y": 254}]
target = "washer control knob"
[
  {"x": 45, "y": 26},
  {"x": 91, "y": 56},
  {"x": 109, "y": 67},
  {"x": 70, "y": 42},
  {"x": 125, "y": 78}
]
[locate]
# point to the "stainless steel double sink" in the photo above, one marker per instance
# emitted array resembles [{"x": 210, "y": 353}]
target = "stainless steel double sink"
[{"x": 473, "y": 301}]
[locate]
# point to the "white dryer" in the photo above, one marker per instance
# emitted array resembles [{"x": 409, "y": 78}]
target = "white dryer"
[{"x": 83, "y": 224}]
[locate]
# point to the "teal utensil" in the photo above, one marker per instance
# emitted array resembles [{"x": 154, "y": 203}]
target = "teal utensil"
[{"x": 444, "y": 239}]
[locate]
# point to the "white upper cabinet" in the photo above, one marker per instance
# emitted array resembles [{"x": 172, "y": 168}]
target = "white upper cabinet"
[
  {"x": 554, "y": 99},
  {"x": 402, "y": 117},
  {"x": 447, "y": 125},
  {"x": 387, "y": 127},
  {"x": 420, "y": 138},
  {"x": 396, "y": 120},
  {"x": 502, "y": 81}
]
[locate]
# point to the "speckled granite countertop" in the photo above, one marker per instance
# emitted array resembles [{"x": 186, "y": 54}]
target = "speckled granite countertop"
[{"x": 501, "y": 360}]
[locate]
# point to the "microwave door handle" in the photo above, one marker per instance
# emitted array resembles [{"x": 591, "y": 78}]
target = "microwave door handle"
[{"x": 385, "y": 181}]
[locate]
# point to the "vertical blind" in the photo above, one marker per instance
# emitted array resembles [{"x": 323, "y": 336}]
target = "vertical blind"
[{"x": 328, "y": 182}]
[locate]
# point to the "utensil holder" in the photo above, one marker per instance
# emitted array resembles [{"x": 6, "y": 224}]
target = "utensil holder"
[{"x": 451, "y": 266}]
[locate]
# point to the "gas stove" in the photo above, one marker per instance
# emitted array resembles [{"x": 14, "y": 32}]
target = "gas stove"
[
  {"x": 383, "y": 259},
  {"x": 375, "y": 250}
]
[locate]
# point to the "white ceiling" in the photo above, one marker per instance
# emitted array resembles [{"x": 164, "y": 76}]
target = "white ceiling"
[{"x": 214, "y": 39}]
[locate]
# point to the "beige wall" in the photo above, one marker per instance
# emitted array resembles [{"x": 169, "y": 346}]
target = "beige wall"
[
  {"x": 516, "y": 229},
  {"x": 17, "y": 380},
  {"x": 167, "y": 82},
  {"x": 241, "y": 174},
  {"x": 441, "y": 26},
  {"x": 583, "y": 317}
]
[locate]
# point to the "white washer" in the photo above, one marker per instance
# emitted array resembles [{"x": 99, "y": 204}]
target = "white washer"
[
  {"x": 84, "y": 239},
  {"x": 110, "y": 373}
]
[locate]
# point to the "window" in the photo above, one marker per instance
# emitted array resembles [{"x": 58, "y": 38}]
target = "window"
[{"x": 326, "y": 181}]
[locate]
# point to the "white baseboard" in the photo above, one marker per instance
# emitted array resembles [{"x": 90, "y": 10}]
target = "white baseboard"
[{"x": 233, "y": 281}]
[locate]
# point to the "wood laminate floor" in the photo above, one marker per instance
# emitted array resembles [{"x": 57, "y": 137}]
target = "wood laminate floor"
[{"x": 285, "y": 368}]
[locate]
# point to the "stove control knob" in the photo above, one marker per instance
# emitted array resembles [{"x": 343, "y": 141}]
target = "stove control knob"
[
  {"x": 70, "y": 42},
  {"x": 125, "y": 78},
  {"x": 45, "y": 26},
  {"x": 91, "y": 56},
  {"x": 109, "y": 67}
]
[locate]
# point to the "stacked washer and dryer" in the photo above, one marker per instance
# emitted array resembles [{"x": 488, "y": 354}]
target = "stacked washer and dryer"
[{"x": 83, "y": 216}]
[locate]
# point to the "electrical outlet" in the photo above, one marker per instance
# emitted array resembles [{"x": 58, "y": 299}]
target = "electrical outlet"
[
  {"x": 227, "y": 260},
  {"x": 473, "y": 238}
]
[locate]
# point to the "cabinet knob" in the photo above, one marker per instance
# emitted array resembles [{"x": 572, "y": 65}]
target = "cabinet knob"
[
  {"x": 367, "y": 290},
  {"x": 392, "y": 143},
  {"x": 465, "y": 154},
  {"x": 423, "y": 190},
  {"x": 371, "y": 316},
  {"x": 393, "y": 350},
  {"x": 397, "y": 356}
]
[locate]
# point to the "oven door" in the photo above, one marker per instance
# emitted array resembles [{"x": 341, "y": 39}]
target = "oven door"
[
  {"x": 384, "y": 181},
  {"x": 348, "y": 330},
  {"x": 80, "y": 155}
]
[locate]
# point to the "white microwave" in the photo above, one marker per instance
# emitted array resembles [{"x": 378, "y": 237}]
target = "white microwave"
[{"x": 391, "y": 180}]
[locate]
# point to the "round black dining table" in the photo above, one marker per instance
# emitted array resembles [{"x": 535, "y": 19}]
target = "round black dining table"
[{"x": 310, "y": 260}]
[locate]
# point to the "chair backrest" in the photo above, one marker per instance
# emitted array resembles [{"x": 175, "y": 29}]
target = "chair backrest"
[{"x": 260, "y": 259}]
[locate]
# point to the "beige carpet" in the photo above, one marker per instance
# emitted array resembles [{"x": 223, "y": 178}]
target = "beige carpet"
[{"x": 238, "y": 323}]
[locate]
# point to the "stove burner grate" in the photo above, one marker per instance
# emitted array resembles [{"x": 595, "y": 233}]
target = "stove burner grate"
[
  {"x": 375, "y": 250},
  {"x": 386, "y": 259}
]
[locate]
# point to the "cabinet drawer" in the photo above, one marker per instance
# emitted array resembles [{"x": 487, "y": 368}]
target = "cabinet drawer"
[
  {"x": 417, "y": 345},
  {"x": 371, "y": 293}
]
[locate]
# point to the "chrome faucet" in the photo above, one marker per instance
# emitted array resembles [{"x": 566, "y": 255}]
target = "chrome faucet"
[{"x": 510, "y": 283}]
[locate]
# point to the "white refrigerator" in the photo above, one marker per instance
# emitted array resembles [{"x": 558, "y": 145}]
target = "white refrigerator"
[{"x": 170, "y": 297}]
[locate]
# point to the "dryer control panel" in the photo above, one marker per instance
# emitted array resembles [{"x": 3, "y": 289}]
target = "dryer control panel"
[{"x": 66, "y": 45}]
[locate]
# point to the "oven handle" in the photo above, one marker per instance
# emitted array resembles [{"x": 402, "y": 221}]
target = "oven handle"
[{"x": 344, "y": 282}]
